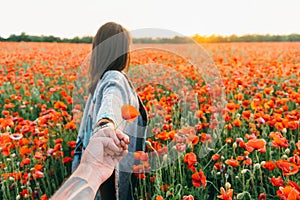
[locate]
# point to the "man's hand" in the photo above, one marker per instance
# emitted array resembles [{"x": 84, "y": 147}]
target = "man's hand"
[{"x": 105, "y": 149}]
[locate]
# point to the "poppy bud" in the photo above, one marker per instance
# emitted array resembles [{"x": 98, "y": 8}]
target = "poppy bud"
[
  {"x": 287, "y": 151},
  {"x": 8, "y": 129},
  {"x": 234, "y": 145},
  {"x": 227, "y": 185},
  {"x": 284, "y": 130},
  {"x": 257, "y": 166},
  {"x": 240, "y": 195},
  {"x": 165, "y": 157},
  {"x": 148, "y": 143},
  {"x": 226, "y": 175}
]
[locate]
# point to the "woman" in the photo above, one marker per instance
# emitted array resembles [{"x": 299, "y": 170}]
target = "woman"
[{"x": 109, "y": 90}]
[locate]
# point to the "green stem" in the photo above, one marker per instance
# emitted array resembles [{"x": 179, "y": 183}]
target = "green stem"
[
  {"x": 180, "y": 172},
  {"x": 216, "y": 153},
  {"x": 213, "y": 185}
]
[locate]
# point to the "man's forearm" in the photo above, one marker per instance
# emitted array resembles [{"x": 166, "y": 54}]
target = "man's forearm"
[{"x": 82, "y": 184}]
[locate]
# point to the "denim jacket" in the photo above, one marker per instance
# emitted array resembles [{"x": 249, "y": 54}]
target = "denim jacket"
[{"x": 114, "y": 90}]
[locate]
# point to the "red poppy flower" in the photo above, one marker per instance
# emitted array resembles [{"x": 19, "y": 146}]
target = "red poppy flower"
[
  {"x": 38, "y": 167},
  {"x": 58, "y": 141},
  {"x": 24, "y": 151},
  {"x": 129, "y": 113},
  {"x": 246, "y": 114},
  {"x": 58, "y": 147},
  {"x": 70, "y": 125},
  {"x": 199, "y": 179},
  {"x": 215, "y": 157},
  {"x": 189, "y": 197},
  {"x": 287, "y": 167},
  {"x": 240, "y": 158},
  {"x": 278, "y": 140},
  {"x": 200, "y": 114},
  {"x": 180, "y": 147},
  {"x": 25, "y": 161},
  {"x": 295, "y": 159},
  {"x": 259, "y": 144},
  {"x": 232, "y": 107},
  {"x": 164, "y": 187},
  {"x": 60, "y": 105},
  {"x": 226, "y": 194},
  {"x": 159, "y": 197},
  {"x": 139, "y": 171},
  {"x": 72, "y": 144},
  {"x": 164, "y": 136},
  {"x": 232, "y": 162},
  {"x": 67, "y": 159},
  {"x": 262, "y": 196},
  {"x": 293, "y": 125},
  {"x": 250, "y": 136},
  {"x": 270, "y": 165},
  {"x": 298, "y": 145},
  {"x": 190, "y": 159},
  {"x": 268, "y": 90},
  {"x": 239, "y": 96},
  {"x": 277, "y": 181},
  {"x": 187, "y": 130},
  {"x": 279, "y": 126},
  {"x": 293, "y": 184},
  {"x": 246, "y": 103},
  {"x": 237, "y": 123},
  {"x": 206, "y": 137},
  {"x": 44, "y": 197},
  {"x": 288, "y": 193},
  {"x": 141, "y": 155},
  {"x": 229, "y": 140},
  {"x": 218, "y": 166},
  {"x": 38, "y": 155},
  {"x": 192, "y": 138},
  {"x": 248, "y": 161},
  {"x": 25, "y": 193},
  {"x": 152, "y": 178}
]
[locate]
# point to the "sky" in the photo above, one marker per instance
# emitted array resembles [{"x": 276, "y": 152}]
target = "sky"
[{"x": 70, "y": 18}]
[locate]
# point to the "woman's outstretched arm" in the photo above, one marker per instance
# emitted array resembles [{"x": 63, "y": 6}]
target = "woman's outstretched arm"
[{"x": 96, "y": 165}]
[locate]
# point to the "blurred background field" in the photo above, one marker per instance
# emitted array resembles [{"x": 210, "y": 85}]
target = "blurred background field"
[{"x": 257, "y": 154}]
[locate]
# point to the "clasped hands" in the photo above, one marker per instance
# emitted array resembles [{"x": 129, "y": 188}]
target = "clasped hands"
[{"x": 105, "y": 149}]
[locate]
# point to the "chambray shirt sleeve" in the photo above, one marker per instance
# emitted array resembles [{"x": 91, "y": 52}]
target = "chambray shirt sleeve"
[{"x": 112, "y": 96}]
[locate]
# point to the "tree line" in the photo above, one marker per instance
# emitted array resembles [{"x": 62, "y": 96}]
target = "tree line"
[
  {"x": 23, "y": 37},
  {"x": 176, "y": 39}
]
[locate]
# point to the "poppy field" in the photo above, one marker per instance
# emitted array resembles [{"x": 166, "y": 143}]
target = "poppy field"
[{"x": 256, "y": 154}]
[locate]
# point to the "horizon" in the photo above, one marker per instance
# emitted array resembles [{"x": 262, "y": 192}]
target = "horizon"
[
  {"x": 155, "y": 37},
  {"x": 68, "y": 19}
]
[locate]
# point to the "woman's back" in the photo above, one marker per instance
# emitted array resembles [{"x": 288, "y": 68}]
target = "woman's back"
[{"x": 112, "y": 92}]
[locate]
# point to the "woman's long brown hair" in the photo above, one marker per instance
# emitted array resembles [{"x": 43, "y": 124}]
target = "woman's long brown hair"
[{"x": 110, "y": 52}]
